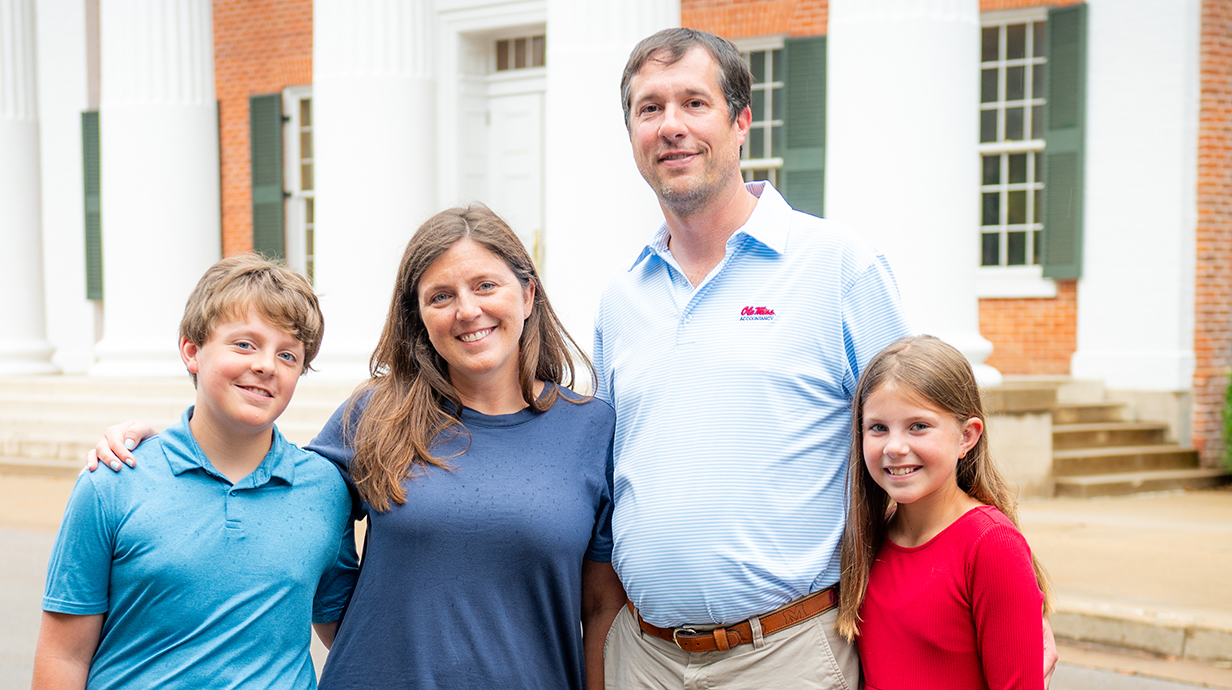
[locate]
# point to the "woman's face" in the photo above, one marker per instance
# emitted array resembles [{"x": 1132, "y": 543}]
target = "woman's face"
[{"x": 473, "y": 308}]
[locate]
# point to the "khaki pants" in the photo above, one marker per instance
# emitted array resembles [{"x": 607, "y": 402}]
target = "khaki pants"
[{"x": 806, "y": 656}]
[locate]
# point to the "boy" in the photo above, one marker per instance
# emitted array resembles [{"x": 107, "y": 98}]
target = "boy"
[{"x": 203, "y": 573}]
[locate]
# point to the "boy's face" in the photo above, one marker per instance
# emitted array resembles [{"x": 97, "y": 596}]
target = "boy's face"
[{"x": 246, "y": 373}]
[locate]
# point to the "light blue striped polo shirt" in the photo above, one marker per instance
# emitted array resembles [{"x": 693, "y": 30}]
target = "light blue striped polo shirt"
[{"x": 733, "y": 412}]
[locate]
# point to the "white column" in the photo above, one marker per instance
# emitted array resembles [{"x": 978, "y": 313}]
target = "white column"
[
  {"x": 902, "y": 159},
  {"x": 599, "y": 211},
  {"x": 23, "y": 344},
  {"x": 374, "y": 134},
  {"x": 1136, "y": 295},
  {"x": 158, "y": 123},
  {"x": 68, "y": 52}
]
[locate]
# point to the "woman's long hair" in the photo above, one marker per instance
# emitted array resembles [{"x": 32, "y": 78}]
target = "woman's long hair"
[
  {"x": 406, "y": 415},
  {"x": 940, "y": 376}
]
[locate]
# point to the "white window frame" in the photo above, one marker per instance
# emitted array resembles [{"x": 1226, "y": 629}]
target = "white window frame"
[
  {"x": 766, "y": 44},
  {"x": 1017, "y": 281},
  {"x": 299, "y": 253}
]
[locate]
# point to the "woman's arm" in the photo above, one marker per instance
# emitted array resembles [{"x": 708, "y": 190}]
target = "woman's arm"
[
  {"x": 116, "y": 445},
  {"x": 326, "y": 631},
  {"x": 602, "y": 597},
  {"x": 66, "y": 646}
]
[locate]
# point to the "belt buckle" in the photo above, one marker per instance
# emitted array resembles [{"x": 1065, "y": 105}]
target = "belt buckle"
[{"x": 677, "y": 631}]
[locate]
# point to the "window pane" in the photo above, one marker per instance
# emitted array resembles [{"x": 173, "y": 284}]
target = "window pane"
[
  {"x": 308, "y": 210},
  {"x": 757, "y": 63},
  {"x": 1035, "y": 209},
  {"x": 519, "y": 53},
  {"x": 988, "y": 85},
  {"x": 1015, "y": 83},
  {"x": 988, "y": 125},
  {"x": 1018, "y": 168},
  {"x": 988, "y": 43},
  {"x": 537, "y": 52},
  {"x": 758, "y": 106},
  {"x": 757, "y": 143},
  {"x": 1038, "y": 250},
  {"x": 1037, "y": 122},
  {"x": 502, "y": 56},
  {"x": 1017, "y": 208},
  {"x": 1037, "y": 82},
  {"x": 305, "y": 144},
  {"x": 1016, "y": 249},
  {"x": 1013, "y": 124},
  {"x": 992, "y": 169},
  {"x": 1040, "y": 40},
  {"x": 777, "y": 106},
  {"x": 305, "y": 113},
  {"x": 990, "y": 249},
  {"x": 1015, "y": 42},
  {"x": 776, "y": 141},
  {"x": 992, "y": 208},
  {"x": 305, "y": 177},
  {"x": 1039, "y": 172}
]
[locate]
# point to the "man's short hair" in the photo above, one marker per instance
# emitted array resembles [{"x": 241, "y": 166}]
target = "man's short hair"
[
  {"x": 669, "y": 46},
  {"x": 235, "y": 285}
]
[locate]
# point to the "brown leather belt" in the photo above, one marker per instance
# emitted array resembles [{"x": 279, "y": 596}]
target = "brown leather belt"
[{"x": 723, "y": 639}]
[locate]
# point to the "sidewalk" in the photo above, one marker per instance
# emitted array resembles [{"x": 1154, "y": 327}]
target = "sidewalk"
[{"x": 1150, "y": 572}]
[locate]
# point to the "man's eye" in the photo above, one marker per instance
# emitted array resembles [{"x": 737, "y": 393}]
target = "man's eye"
[{"x": 649, "y": 109}]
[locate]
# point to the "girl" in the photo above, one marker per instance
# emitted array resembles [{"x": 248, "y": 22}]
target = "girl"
[{"x": 937, "y": 581}]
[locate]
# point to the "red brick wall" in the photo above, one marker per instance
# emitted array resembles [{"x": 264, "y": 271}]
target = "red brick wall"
[
  {"x": 1213, "y": 280},
  {"x": 746, "y": 18},
  {"x": 260, "y": 46},
  {"x": 1032, "y": 336}
]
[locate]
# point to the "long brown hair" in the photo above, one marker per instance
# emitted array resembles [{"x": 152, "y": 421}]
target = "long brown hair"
[
  {"x": 406, "y": 414},
  {"x": 941, "y": 376}
]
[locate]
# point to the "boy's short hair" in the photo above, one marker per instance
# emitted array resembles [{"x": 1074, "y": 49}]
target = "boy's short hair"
[{"x": 232, "y": 286}]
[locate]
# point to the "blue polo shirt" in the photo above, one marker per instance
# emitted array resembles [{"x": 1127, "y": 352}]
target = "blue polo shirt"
[
  {"x": 733, "y": 421},
  {"x": 205, "y": 583}
]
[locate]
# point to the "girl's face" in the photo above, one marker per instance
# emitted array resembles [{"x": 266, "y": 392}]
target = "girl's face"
[{"x": 911, "y": 448}]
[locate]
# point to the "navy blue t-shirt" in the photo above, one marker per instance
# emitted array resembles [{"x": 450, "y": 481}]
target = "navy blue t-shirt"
[{"x": 475, "y": 581}]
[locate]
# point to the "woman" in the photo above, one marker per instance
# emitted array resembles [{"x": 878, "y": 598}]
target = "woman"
[{"x": 486, "y": 482}]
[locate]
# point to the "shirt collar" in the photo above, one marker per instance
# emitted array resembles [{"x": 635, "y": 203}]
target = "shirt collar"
[
  {"x": 184, "y": 454},
  {"x": 768, "y": 225}
]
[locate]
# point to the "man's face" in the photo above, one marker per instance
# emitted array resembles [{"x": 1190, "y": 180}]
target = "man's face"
[{"x": 684, "y": 141}]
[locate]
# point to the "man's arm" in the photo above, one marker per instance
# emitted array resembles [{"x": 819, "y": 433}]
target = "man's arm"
[
  {"x": 1051, "y": 657},
  {"x": 66, "y": 646},
  {"x": 326, "y": 632},
  {"x": 117, "y": 444},
  {"x": 602, "y": 597}
]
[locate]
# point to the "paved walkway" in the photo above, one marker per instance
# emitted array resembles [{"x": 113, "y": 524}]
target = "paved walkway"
[{"x": 1149, "y": 572}]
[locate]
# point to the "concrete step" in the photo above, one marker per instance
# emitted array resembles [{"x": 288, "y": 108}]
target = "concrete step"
[
  {"x": 43, "y": 468},
  {"x": 70, "y": 440},
  {"x": 1088, "y": 413},
  {"x": 14, "y": 409},
  {"x": 1075, "y": 436},
  {"x": 309, "y": 388},
  {"x": 1088, "y": 461},
  {"x": 1122, "y": 483}
]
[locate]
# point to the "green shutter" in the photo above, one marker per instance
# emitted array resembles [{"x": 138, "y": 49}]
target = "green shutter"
[
  {"x": 93, "y": 216},
  {"x": 1064, "y": 133},
  {"x": 265, "y": 130},
  {"x": 802, "y": 178}
]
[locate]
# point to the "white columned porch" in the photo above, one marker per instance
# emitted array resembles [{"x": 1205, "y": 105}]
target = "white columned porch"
[
  {"x": 158, "y": 129},
  {"x": 599, "y": 211},
  {"x": 374, "y": 136},
  {"x": 24, "y": 348},
  {"x": 902, "y": 159}
]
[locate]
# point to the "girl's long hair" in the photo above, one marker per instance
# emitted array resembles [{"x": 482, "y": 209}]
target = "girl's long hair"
[
  {"x": 406, "y": 416},
  {"x": 939, "y": 375}
]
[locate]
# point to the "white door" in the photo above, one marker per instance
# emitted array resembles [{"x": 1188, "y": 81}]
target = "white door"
[{"x": 515, "y": 165}]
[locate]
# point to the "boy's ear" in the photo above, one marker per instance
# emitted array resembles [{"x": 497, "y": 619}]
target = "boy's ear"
[{"x": 188, "y": 353}]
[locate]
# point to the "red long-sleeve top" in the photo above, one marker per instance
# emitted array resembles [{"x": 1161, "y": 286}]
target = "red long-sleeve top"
[{"x": 960, "y": 611}]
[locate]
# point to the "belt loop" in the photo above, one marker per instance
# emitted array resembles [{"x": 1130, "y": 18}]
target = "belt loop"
[
  {"x": 758, "y": 640},
  {"x": 637, "y": 619}
]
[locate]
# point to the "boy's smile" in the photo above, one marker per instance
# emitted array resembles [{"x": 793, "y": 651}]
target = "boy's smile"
[{"x": 246, "y": 374}]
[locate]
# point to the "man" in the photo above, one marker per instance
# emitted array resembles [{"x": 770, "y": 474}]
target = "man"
[{"x": 730, "y": 350}]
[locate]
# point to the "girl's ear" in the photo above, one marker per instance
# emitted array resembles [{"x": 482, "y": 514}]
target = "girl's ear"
[{"x": 971, "y": 432}]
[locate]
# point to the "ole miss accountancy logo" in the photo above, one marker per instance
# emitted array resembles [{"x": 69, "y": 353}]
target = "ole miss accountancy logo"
[{"x": 757, "y": 314}]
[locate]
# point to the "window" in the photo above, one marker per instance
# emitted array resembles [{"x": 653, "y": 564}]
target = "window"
[
  {"x": 1013, "y": 55},
  {"x": 521, "y": 53},
  {"x": 300, "y": 180},
  {"x": 762, "y": 157}
]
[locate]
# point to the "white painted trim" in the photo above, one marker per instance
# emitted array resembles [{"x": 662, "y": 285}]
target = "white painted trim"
[
  {"x": 1025, "y": 14},
  {"x": 1013, "y": 282},
  {"x": 748, "y": 45}
]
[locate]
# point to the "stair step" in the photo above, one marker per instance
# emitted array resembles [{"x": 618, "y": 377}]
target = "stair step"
[
  {"x": 1137, "y": 482},
  {"x": 1075, "y": 436},
  {"x": 1088, "y": 461},
  {"x": 60, "y": 439},
  {"x": 1088, "y": 413},
  {"x": 41, "y": 468}
]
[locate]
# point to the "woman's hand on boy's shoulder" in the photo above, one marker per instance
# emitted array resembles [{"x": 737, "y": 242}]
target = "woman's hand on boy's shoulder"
[{"x": 115, "y": 448}]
